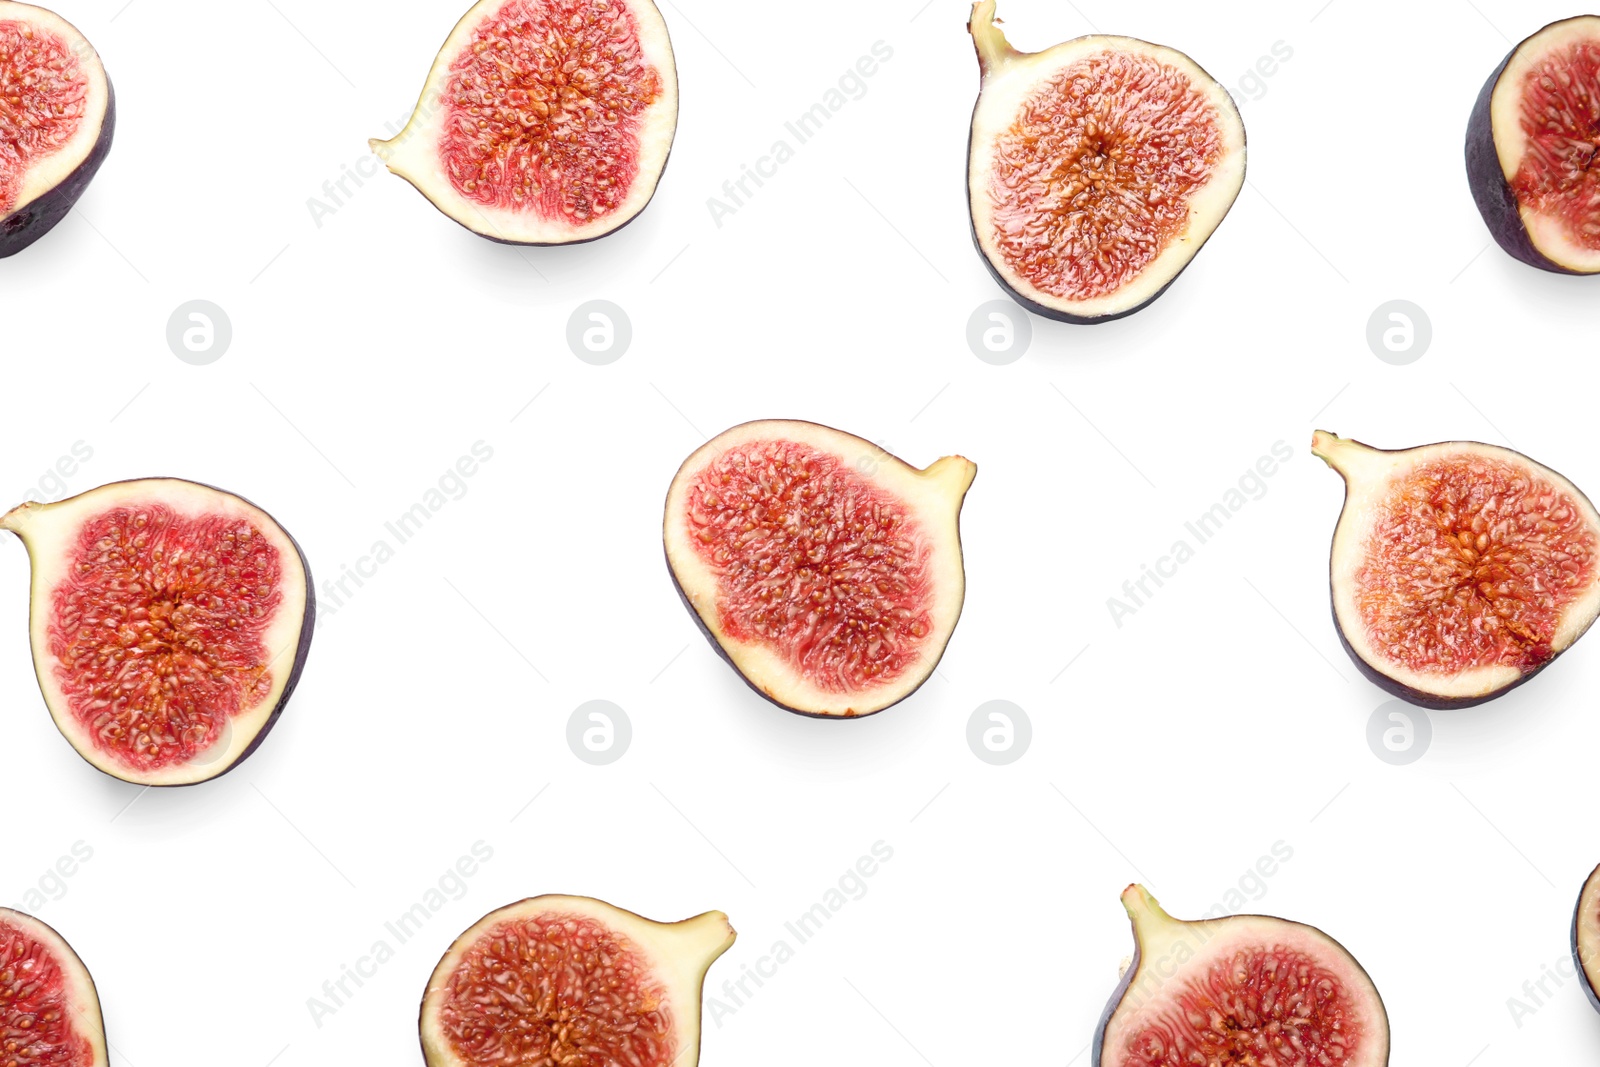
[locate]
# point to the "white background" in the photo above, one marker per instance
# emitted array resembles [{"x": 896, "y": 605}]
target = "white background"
[{"x": 372, "y": 351}]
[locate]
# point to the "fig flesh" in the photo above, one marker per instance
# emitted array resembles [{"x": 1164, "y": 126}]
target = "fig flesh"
[
  {"x": 1246, "y": 989},
  {"x": 1458, "y": 570},
  {"x": 827, "y": 572},
  {"x": 571, "y": 981},
  {"x": 49, "y": 1009},
  {"x": 57, "y": 114},
  {"x": 544, "y": 122},
  {"x": 1532, "y": 143},
  {"x": 1586, "y": 938},
  {"x": 1096, "y": 169},
  {"x": 169, "y": 622}
]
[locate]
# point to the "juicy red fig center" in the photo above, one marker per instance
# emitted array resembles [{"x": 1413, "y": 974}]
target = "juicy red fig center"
[
  {"x": 1262, "y": 1005},
  {"x": 1559, "y": 174},
  {"x": 544, "y": 108},
  {"x": 43, "y": 98},
  {"x": 36, "y": 1025},
  {"x": 1470, "y": 563},
  {"x": 158, "y": 630},
  {"x": 556, "y": 989},
  {"x": 814, "y": 561},
  {"x": 1093, "y": 180}
]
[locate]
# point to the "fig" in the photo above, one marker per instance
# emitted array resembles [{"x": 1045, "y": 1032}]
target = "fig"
[
  {"x": 1586, "y": 938},
  {"x": 169, "y": 622},
  {"x": 543, "y": 122},
  {"x": 57, "y": 114},
  {"x": 1458, "y": 570},
  {"x": 1096, "y": 169},
  {"x": 1245, "y": 989},
  {"x": 571, "y": 981},
  {"x": 824, "y": 570},
  {"x": 49, "y": 1009},
  {"x": 1532, "y": 143}
]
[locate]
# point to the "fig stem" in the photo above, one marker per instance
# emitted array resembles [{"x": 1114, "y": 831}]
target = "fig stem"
[
  {"x": 708, "y": 935},
  {"x": 1141, "y": 905},
  {"x": 1342, "y": 454},
  {"x": 15, "y": 519},
  {"x": 956, "y": 471},
  {"x": 993, "y": 48}
]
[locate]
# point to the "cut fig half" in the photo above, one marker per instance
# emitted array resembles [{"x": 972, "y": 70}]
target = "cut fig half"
[
  {"x": 1097, "y": 169},
  {"x": 57, "y": 115},
  {"x": 571, "y": 981},
  {"x": 1245, "y": 989},
  {"x": 544, "y": 122},
  {"x": 169, "y": 622},
  {"x": 49, "y": 1009},
  {"x": 827, "y": 572},
  {"x": 1586, "y": 938},
  {"x": 1458, "y": 570},
  {"x": 1533, "y": 149}
]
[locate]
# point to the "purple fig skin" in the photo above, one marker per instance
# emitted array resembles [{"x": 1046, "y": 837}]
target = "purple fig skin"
[
  {"x": 1417, "y": 696},
  {"x": 1056, "y": 313},
  {"x": 1034, "y": 306},
  {"x": 716, "y": 646},
  {"x": 1113, "y": 1004},
  {"x": 1490, "y": 190},
  {"x": 1577, "y": 950},
  {"x": 1431, "y": 701},
  {"x": 1117, "y": 995},
  {"x": 302, "y": 648},
  {"x": 711, "y": 638},
  {"x": 27, "y": 224}
]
